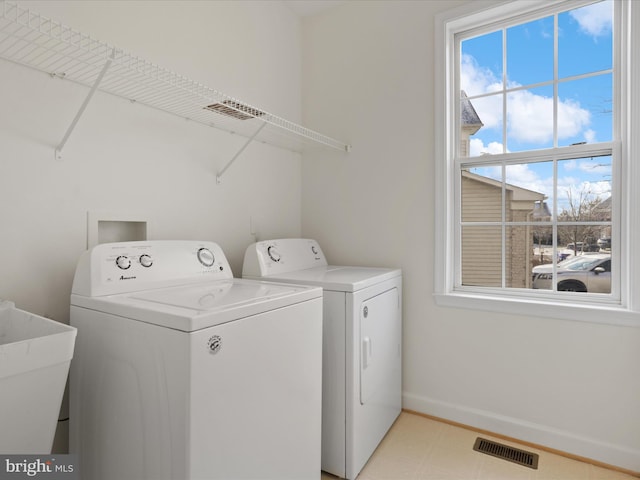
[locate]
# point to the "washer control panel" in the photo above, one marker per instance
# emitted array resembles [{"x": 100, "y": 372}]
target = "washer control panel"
[
  {"x": 122, "y": 267},
  {"x": 272, "y": 257}
]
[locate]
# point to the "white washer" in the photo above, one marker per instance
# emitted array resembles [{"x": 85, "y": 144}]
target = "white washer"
[
  {"x": 362, "y": 371},
  {"x": 183, "y": 372}
]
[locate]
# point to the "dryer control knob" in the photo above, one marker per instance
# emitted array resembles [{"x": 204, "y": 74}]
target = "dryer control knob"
[
  {"x": 205, "y": 257},
  {"x": 146, "y": 261},
  {"x": 123, "y": 262},
  {"x": 273, "y": 253}
]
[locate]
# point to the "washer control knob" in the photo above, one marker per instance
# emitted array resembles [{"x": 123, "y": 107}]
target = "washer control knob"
[
  {"x": 314, "y": 249},
  {"x": 273, "y": 253},
  {"x": 206, "y": 258},
  {"x": 123, "y": 262},
  {"x": 146, "y": 260}
]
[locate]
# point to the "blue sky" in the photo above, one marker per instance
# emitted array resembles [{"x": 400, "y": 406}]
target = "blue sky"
[{"x": 584, "y": 102}]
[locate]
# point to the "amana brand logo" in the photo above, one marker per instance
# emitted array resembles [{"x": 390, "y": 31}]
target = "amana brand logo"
[{"x": 122, "y": 277}]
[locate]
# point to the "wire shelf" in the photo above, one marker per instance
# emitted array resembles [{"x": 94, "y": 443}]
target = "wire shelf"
[{"x": 35, "y": 41}]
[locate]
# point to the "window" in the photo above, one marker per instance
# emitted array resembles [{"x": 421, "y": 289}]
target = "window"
[{"x": 533, "y": 155}]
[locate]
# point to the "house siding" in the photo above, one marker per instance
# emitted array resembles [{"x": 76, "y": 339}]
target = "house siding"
[{"x": 482, "y": 245}]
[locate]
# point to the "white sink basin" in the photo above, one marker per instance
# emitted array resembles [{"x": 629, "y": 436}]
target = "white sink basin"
[{"x": 35, "y": 354}]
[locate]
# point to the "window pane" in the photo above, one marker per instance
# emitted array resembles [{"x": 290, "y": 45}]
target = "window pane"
[
  {"x": 530, "y": 119},
  {"x": 577, "y": 239},
  {"x": 482, "y": 195},
  {"x": 482, "y": 256},
  {"x": 481, "y": 126},
  {"x": 481, "y": 64},
  {"x": 519, "y": 256},
  {"x": 542, "y": 245},
  {"x": 585, "y": 110},
  {"x": 582, "y": 266},
  {"x": 470, "y": 123},
  {"x": 584, "y": 190},
  {"x": 585, "y": 40},
  {"x": 529, "y": 190},
  {"x": 530, "y": 53}
]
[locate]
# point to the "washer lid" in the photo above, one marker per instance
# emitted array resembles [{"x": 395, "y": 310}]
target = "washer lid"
[
  {"x": 194, "y": 307},
  {"x": 338, "y": 278}
]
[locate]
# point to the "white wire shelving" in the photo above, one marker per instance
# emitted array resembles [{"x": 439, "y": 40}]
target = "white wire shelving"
[{"x": 35, "y": 41}]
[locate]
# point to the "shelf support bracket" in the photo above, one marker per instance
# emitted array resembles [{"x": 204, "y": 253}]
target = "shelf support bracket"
[
  {"x": 249, "y": 140},
  {"x": 58, "y": 152}
]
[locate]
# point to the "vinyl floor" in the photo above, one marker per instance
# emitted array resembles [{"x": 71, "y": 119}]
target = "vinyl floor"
[{"x": 418, "y": 448}]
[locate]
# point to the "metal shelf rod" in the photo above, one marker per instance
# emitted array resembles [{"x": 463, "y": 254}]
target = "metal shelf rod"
[
  {"x": 83, "y": 107},
  {"x": 219, "y": 175}
]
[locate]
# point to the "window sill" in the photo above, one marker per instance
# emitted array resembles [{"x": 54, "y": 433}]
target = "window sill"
[{"x": 591, "y": 313}]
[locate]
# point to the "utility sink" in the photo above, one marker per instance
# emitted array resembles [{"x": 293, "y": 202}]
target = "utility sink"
[{"x": 35, "y": 354}]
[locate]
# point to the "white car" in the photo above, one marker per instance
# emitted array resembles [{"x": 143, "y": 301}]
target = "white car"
[{"x": 581, "y": 273}]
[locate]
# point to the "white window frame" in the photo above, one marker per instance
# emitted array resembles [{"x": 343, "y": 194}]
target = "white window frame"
[{"x": 619, "y": 309}]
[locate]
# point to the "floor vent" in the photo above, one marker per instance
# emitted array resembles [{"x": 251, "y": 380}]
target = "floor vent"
[{"x": 505, "y": 452}]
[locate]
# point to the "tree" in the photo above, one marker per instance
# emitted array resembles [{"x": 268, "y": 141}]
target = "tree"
[{"x": 582, "y": 206}]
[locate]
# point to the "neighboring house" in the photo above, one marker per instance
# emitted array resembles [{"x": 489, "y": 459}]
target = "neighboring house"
[
  {"x": 603, "y": 212},
  {"x": 482, "y": 245},
  {"x": 470, "y": 123}
]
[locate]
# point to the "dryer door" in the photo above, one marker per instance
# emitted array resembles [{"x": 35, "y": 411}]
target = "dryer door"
[{"x": 379, "y": 344}]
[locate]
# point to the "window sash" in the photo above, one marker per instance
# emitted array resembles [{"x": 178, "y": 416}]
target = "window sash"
[
  {"x": 509, "y": 17},
  {"x": 469, "y": 29}
]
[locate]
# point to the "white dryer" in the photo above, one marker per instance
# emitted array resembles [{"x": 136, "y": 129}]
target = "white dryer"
[
  {"x": 183, "y": 372},
  {"x": 362, "y": 337}
]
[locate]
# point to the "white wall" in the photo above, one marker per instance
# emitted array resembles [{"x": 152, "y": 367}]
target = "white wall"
[
  {"x": 368, "y": 78},
  {"x": 127, "y": 159}
]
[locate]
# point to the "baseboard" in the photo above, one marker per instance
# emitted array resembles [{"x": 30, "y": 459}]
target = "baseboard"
[{"x": 543, "y": 437}]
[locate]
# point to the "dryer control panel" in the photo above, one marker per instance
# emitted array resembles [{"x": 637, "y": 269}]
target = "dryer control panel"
[
  {"x": 123, "y": 267},
  {"x": 281, "y": 256}
]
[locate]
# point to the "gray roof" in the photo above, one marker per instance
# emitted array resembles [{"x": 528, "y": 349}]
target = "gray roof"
[{"x": 468, "y": 115}]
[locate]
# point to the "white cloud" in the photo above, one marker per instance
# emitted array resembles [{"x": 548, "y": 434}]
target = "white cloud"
[
  {"x": 576, "y": 187},
  {"x": 589, "y": 166},
  {"x": 530, "y": 118},
  {"x": 489, "y": 110},
  {"x": 523, "y": 176},
  {"x": 477, "y": 148},
  {"x": 599, "y": 189},
  {"x": 572, "y": 118},
  {"x": 596, "y": 168},
  {"x": 597, "y": 185},
  {"x": 594, "y": 20},
  {"x": 475, "y": 79},
  {"x": 590, "y": 136},
  {"x": 520, "y": 175}
]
